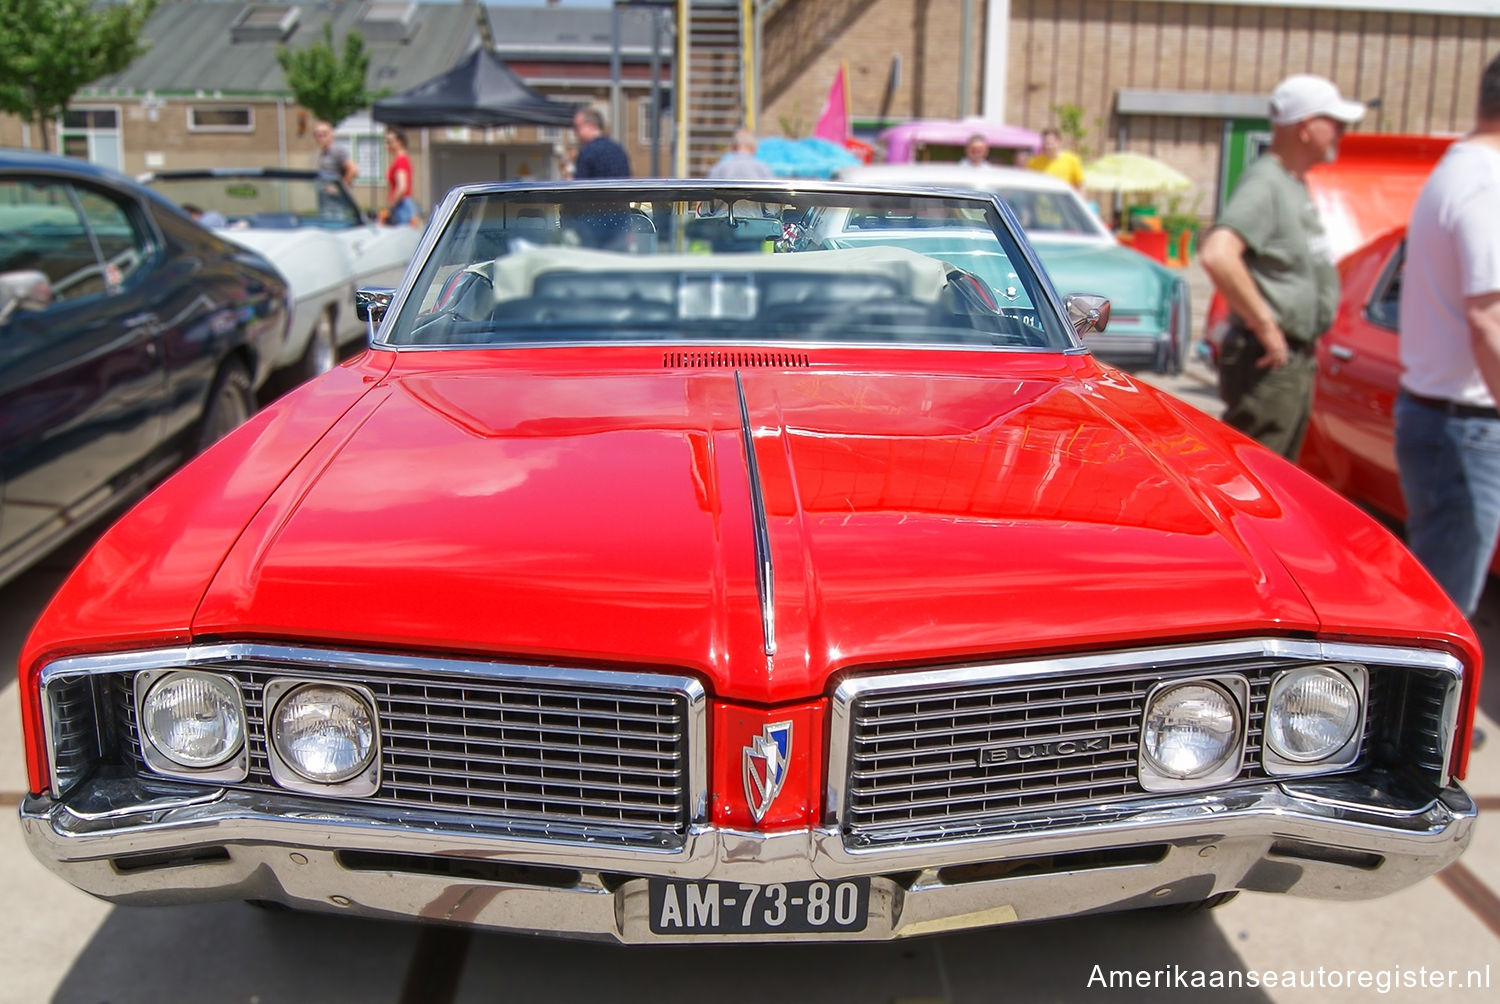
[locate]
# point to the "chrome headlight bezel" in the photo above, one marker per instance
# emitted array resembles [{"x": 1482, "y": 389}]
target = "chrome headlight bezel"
[
  {"x": 364, "y": 783},
  {"x": 236, "y": 766},
  {"x": 1153, "y": 778},
  {"x": 1281, "y": 763}
]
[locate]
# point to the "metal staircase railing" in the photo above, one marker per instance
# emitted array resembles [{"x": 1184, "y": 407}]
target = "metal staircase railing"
[{"x": 715, "y": 92}]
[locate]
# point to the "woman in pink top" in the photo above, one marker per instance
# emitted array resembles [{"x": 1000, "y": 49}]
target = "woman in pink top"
[{"x": 401, "y": 208}]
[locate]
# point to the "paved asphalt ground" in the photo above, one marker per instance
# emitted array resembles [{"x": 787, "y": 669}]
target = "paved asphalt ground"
[{"x": 58, "y": 944}]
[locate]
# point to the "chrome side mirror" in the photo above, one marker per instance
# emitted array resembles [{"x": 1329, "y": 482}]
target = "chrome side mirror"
[
  {"x": 24, "y": 289},
  {"x": 1087, "y": 312},
  {"x": 371, "y": 303}
]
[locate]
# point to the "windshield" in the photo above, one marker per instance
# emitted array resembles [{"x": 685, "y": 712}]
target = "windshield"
[
  {"x": 258, "y": 201},
  {"x": 526, "y": 266}
]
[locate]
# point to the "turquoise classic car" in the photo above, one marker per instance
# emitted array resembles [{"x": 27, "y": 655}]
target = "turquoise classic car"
[{"x": 1149, "y": 321}]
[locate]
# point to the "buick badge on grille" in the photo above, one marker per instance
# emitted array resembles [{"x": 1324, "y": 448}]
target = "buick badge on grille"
[{"x": 765, "y": 761}]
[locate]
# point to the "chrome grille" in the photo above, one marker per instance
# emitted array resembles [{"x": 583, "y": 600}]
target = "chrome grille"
[
  {"x": 536, "y": 752},
  {"x": 1423, "y": 723},
  {"x": 74, "y": 728},
  {"x": 915, "y": 755},
  {"x": 1412, "y": 731},
  {"x": 543, "y": 753},
  {"x": 928, "y": 756}
]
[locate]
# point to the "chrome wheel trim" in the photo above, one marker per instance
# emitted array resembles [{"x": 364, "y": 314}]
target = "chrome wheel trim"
[{"x": 322, "y": 348}]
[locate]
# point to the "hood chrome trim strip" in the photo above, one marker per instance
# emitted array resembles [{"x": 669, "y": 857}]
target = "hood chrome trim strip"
[{"x": 764, "y": 574}]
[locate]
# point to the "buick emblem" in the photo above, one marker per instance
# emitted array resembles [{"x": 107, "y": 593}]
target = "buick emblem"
[
  {"x": 765, "y": 761},
  {"x": 1057, "y": 748}
]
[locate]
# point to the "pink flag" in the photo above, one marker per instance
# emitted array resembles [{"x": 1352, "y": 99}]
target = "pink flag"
[{"x": 833, "y": 124}]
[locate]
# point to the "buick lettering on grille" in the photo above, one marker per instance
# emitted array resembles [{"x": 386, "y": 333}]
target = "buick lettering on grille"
[{"x": 1018, "y": 752}]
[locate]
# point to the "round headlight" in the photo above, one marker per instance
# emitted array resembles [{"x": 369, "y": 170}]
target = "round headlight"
[
  {"x": 323, "y": 732},
  {"x": 1191, "y": 730},
  {"x": 1312, "y": 714},
  {"x": 194, "y": 719}
]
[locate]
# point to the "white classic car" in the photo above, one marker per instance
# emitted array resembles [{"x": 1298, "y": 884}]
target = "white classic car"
[
  {"x": 1150, "y": 321},
  {"x": 308, "y": 226}
]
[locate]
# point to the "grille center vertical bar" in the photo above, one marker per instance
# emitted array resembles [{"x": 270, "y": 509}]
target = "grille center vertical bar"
[{"x": 764, "y": 579}]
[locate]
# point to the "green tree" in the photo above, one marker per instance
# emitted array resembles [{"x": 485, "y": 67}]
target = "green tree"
[
  {"x": 51, "y": 48},
  {"x": 327, "y": 83},
  {"x": 1070, "y": 124}
]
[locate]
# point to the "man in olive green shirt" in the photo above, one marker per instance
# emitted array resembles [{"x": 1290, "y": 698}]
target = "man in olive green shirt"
[{"x": 1269, "y": 258}]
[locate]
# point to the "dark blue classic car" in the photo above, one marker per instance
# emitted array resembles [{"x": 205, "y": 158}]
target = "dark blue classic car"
[{"x": 130, "y": 338}]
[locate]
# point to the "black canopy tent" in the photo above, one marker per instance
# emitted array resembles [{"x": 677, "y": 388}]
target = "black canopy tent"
[{"x": 479, "y": 91}]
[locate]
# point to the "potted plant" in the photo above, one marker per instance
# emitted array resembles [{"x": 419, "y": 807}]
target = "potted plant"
[{"x": 1181, "y": 228}]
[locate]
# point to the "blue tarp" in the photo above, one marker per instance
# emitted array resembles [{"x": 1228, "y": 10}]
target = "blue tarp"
[{"x": 804, "y": 158}]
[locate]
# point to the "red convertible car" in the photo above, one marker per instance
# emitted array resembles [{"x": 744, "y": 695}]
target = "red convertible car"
[{"x": 670, "y": 571}]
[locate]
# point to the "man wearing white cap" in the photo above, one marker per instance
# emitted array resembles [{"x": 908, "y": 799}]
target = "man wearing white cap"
[
  {"x": 1447, "y": 427},
  {"x": 1269, "y": 258}
]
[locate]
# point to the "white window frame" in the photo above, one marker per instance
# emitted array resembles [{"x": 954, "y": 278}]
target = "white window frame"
[
  {"x": 359, "y": 141},
  {"x": 194, "y": 126},
  {"x": 643, "y": 121},
  {"x": 94, "y": 135}
]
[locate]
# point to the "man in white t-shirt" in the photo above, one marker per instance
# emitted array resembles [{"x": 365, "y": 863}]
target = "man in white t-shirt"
[{"x": 1447, "y": 426}]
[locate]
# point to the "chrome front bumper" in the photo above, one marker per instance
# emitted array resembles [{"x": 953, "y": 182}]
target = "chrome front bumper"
[{"x": 1327, "y": 840}]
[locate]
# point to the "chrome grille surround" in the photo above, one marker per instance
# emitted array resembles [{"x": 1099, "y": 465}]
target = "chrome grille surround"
[
  {"x": 71, "y": 723},
  {"x": 571, "y": 753},
  {"x": 915, "y": 756}
]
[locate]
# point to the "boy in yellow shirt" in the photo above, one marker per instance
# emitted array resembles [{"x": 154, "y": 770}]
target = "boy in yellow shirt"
[{"x": 1056, "y": 161}]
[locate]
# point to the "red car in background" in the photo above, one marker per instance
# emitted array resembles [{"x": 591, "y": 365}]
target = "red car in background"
[{"x": 1350, "y": 441}]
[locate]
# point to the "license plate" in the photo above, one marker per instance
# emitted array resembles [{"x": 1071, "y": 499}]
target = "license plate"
[{"x": 679, "y": 907}]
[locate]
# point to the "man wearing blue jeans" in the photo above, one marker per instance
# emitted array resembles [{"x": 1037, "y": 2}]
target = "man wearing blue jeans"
[{"x": 1447, "y": 425}]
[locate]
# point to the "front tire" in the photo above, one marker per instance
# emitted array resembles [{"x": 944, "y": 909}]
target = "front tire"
[{"x": 230, "y": 402}]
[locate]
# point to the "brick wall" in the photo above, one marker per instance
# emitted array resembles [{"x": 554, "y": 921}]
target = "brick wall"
[
  {"x": 1423, "y": 68},
  {"x": 804, "y": 42},
  {"x": 169, "y": 136},
  {"x": 284, "y": 137}
]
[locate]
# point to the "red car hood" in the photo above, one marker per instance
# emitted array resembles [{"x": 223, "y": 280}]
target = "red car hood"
[{"x": 607, "y": 516}]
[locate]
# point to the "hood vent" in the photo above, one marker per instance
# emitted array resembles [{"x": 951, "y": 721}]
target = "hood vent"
[{"x": 734, "y": 360}]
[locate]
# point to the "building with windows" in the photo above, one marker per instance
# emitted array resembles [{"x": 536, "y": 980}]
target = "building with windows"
[
  {"x": 209, "y": 92},
  {"x": 1182, "y": 81},
  {"x": 1186, "y": 82}
]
